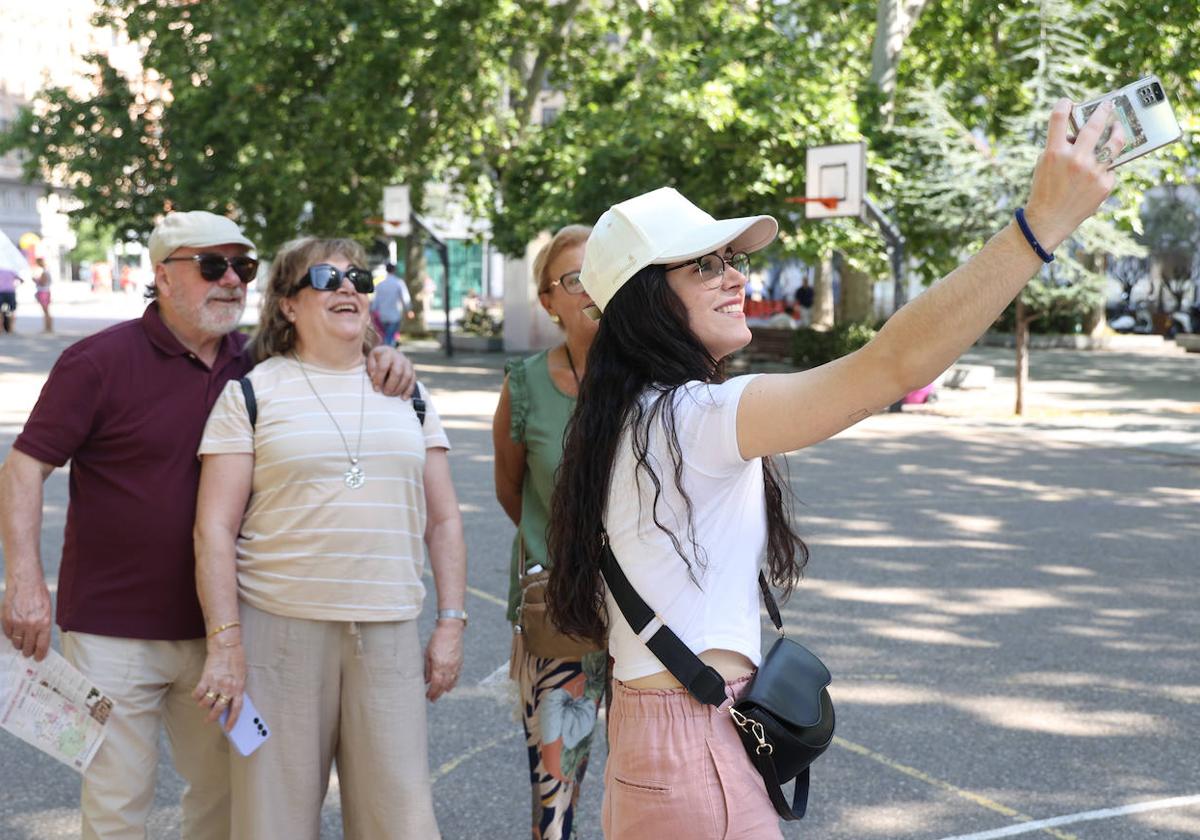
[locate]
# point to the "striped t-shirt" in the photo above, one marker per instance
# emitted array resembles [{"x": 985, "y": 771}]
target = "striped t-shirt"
[{"x": 310, "y": 546}]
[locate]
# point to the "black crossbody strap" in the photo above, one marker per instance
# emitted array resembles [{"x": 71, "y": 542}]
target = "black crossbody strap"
[
  {"x": 418, "y": 402},
  {"x": 769, "y": 601},
  {"x": 766, "y": 768},
  {"x": 702, "y": 681},
  {"x": 251, "y": 402}
]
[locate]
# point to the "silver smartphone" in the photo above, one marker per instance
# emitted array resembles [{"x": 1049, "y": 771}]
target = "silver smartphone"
[{"x": 1145, "y": 113}]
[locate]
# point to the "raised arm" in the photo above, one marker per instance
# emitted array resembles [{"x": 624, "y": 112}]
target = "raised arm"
[
  {"x": 26, "y": 611},
  {"x": 510, "y": 458},
  {"x": 930, "y": 333},
  {"x": 448, "y": 559},
  {"x": 225, "y": 481}
]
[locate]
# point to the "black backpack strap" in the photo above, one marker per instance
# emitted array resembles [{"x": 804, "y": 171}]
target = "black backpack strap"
[
  {"x": 418, "y": 402},
  {"x": 251, "y": 402},
  {"x": 702, "y": 681}
]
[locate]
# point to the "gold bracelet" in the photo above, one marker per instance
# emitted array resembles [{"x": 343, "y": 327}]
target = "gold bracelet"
[{"x": 229, "y": 625}]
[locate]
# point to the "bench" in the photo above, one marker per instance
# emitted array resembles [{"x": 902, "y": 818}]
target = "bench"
[{"x": 772, "y": 343}]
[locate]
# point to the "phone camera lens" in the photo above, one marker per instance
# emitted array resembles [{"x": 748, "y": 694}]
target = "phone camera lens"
[{"x": 1159, "y": 96}]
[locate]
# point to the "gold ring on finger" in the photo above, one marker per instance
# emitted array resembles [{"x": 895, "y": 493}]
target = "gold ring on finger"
[
  {"x": 210, "y": 695},
  {"x": 222, "y": 700}
]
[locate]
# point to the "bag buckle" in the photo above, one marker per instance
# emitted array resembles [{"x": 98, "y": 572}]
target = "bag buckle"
[{"x": 755, "y": 728}]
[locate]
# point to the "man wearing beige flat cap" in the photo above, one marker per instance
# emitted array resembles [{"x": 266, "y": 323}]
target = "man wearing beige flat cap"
[{"x": 127, "y": 407}]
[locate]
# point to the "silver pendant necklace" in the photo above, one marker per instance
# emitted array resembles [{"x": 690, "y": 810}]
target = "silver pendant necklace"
[{"x": 353, "y": 477}]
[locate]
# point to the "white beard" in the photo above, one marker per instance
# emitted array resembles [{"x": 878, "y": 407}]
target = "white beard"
[{"x": 216, "y": 319}]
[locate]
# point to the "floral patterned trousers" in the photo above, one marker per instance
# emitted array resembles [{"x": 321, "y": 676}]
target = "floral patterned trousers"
[{"x": 560, "y": 699}]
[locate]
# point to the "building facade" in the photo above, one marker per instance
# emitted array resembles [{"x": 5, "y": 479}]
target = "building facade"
[{"x": 43, "y": 44}]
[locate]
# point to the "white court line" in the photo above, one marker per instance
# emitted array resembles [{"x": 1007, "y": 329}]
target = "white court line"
[
  {"x": 453, "y": 763},
  {"x": 497, "y": 677},
  {"x": 1083, "y": 816}
]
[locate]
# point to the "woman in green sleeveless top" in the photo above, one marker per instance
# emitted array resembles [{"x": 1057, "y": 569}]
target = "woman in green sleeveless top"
[{"x": 559, "y": 697}]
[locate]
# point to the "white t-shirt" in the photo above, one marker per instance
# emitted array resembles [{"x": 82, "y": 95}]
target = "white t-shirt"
[
  {"x": 311, "y": 547},
  {"x": 719, "y": 609}
]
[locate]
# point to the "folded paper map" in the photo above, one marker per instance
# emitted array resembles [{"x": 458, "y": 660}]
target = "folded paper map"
[{"x": 52, "y": 706}]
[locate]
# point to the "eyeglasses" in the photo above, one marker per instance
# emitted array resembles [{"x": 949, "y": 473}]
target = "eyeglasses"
[
  {"x": 214, "y": 266},
  {"x": 570, "y": 283},
  {"x": 712, "y": 267},
  {"x": 325, "y": 278}
]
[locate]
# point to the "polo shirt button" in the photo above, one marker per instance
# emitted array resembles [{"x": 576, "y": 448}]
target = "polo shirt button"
[{"x": 191, "y": 355}]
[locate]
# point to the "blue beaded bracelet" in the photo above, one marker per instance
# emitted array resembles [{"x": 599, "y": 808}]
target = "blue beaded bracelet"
[{"x": 1030, "y": 238}]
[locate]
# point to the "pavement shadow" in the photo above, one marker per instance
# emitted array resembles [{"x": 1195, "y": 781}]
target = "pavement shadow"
[{"x": 1011, "y": 618}]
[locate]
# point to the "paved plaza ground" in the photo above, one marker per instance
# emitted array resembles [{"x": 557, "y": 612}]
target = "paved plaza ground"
[{"x": 1008, "y": 607}]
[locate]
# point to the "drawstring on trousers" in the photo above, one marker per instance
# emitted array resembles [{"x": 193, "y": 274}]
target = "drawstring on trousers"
[{"x": 356, "y": 632}]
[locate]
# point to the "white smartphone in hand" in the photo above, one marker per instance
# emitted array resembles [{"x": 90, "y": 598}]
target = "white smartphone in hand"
[
  {"x": 250, "y": 731},
  {"x": 1144, "y": 112}
]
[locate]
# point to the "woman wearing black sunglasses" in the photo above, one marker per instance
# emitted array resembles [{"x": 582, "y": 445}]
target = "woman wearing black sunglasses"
[{"x": 311, "y": 529}]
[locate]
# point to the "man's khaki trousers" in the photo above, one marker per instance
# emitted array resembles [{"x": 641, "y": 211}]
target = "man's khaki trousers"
[{"x": 150, "y": 683}]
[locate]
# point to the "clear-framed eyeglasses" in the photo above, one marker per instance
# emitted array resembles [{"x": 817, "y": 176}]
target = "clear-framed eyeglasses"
[
  {"x": 710, "y": 268},
  {"x": 570, "y": 283}
]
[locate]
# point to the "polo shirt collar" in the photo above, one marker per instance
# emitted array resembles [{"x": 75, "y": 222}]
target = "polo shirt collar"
[{"x": 164, "y": 340}]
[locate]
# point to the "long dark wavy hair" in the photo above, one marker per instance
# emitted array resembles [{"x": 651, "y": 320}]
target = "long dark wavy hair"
[{"x": 643, "y": 343}]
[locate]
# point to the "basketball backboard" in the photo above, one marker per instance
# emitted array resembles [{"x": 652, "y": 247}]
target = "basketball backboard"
[
  {"x": 446, "y": 214},
  {"x": 397, "y": 211},
  {"x": 836, "y": 180}
]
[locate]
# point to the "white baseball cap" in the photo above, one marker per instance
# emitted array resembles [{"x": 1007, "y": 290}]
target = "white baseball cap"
[
  {"x": 660, "y": 228},
  {"x": 194, "y": 229}
]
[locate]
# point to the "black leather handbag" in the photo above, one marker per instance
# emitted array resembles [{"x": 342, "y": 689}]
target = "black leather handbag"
[{"x": 784, "y": 717}]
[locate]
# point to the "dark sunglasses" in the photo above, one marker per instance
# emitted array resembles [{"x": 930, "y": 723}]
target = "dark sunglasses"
[
  {"x": 214, "y": 266},
  {"x": 326, "y": 278}
]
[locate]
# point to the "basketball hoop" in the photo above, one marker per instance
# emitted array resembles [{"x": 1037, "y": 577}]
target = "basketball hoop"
[
  {"x": 827, "y": 203},
  {"x": 396, "y": 211},
  {"x": 377, "y": 221},
  {"x": 835, "y": 181}
]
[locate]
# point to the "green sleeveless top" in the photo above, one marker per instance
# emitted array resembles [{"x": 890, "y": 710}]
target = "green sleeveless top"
[{"x": 539, "y": 417}]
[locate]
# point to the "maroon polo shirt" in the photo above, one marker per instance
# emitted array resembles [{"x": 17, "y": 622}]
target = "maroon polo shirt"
[{"x": 127, "y": 407}]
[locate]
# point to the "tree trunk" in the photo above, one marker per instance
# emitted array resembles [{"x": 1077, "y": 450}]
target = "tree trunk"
[
  {"x": 894, "y": 22},
  {"x": 822, "y": 308},
  {"x": 1023, "y": 320},
  {"x": 857, "y": 295},
  {"x": 1094, "y": 322},
  {"x": 538, "y": 65},
  {"x": 415, "y": 272}
]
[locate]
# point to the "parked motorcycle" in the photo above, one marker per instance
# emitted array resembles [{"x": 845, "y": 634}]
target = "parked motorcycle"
[
  {"x": 1185, "y": 321},
  {"x": 1136, "y": 319}
]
